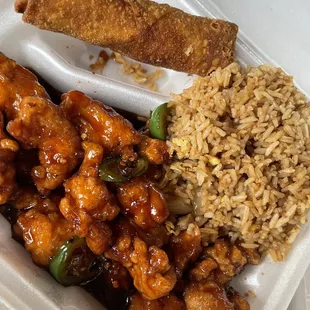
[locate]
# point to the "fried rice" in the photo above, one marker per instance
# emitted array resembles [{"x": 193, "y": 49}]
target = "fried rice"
[{"x": 240, "y": 144}]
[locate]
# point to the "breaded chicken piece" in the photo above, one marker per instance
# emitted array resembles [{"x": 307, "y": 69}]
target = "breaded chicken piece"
[
  {"x": 99, "y": 237},
  {"x": 43, "y": 232},
  {"x": 252, "y": 255},
  {"x": 40, "y": 224},
  {"x": 203, "y": 269},
  {"x": 7, "y": 180},
  {"x": 27, "y": 197},
  {"x": 157, "y": 236},
  {"x": 229, "y": 258},
  {"x": 100, "y": 124},
  {"x": 154, "y": 150},
  {"x": 208, "y": 288},
  {"x": 117, "y": 276},
  {"x": 149, "y": 267},
  {"x": 16, "y": 83},
  {"x": 222, "y": 261},
  {"x": 88, "y": 203},
  {"x": 186, "y": 248},
  {"x": 169, "y": 302},
  {"x": 142, "y": 202},
  {"x": 239, "y": 302},
  {"x": 40, "y": 124},
  {"x": 144, "y": 30},
  {"x": 206, "y": 295},
  {"x": 8, "y": 151}
]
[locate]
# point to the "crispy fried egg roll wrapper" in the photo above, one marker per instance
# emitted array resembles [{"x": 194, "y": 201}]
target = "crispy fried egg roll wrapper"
[{"x": 144, "y": 30}]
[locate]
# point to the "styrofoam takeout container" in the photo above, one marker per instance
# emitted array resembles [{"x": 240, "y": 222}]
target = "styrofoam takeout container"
[
  {"x": 301, "y": 299},
  {"x": 270, "y": 31}
]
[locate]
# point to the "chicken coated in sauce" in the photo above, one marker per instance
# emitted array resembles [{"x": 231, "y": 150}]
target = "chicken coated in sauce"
[
  {"x": 88, "y": 203},
  {"x": 149, "y": 266},
  {"x": 206, "y": 295},
  {"x": 203, "y": 269},
  {"x": 239, "y": 302},
  {"x": 8, "y": 151},
  {"x": 41, "y": 125},
  {"x": 98, "y": 237},
  {"x": 37, "y": 123},
  {"x": 252, "y": 255},
  {"x": 43, "y": 228},
  {"x": 220, "y": 262},
  {"x": 169, "y": 302},
  {"x": 202, "y": 290},
  {"x": 117, "y": 276},
  {"x": 208, "y": 287},
  {"x": 157, "y": 236},
  {"x": 16, "y": 83},
  {"x": 155, "y": 151},
  {"x": 185, "y": 248},
  {"x": 100, "y": 124},
  {"x": 27, "y": 197},
  {"x": 142, "y": 202},
  {"x": 154, "y": 263},
  {"x": 208, "y": 269},
  {"x": 228, "y": 257}
]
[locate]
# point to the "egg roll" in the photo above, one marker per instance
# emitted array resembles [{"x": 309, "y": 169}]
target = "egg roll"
[{"x": 144, "y": 30}]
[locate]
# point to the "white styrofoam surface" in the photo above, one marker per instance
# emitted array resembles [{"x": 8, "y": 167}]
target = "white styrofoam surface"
[
  {"x": 301, "y": 300},
  {"x": 270, "y": 31}
]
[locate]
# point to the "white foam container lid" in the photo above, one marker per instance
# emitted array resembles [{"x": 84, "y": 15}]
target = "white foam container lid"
[{"x": 275, "y": 32}]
